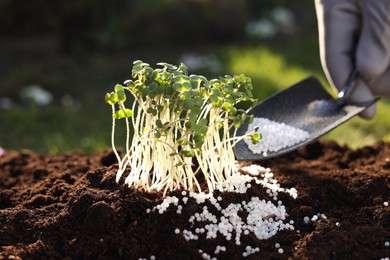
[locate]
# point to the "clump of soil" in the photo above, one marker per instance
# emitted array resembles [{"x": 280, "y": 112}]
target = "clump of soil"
[{"x": 69, "y": 206}]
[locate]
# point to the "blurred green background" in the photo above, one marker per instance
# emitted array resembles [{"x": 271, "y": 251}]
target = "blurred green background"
[{"x": 59, "y": 58}]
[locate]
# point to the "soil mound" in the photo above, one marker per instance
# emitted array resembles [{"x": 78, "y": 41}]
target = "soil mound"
[{"x": 69, "y": 206}]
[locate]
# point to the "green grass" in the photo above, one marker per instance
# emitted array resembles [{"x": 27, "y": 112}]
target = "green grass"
[
  {"x": 55, "y": 128},
  {"x": 268, "y": 69},
  {"x": 359, "y": 132}
]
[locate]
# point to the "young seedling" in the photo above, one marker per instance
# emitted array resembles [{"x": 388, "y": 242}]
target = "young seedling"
[{"x": 183, "y": 127}]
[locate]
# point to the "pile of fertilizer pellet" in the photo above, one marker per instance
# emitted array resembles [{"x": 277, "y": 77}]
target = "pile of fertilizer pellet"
[
  {"x": 275, "y": 136},
  {"x": 264, "y": 218}
]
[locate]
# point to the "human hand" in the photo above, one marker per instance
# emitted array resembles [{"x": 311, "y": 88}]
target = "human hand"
[{"x": 356, "y": 34}]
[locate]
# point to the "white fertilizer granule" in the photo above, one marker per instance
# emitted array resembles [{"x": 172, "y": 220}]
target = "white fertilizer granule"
[
  {"x": 253, "y": 216},
  {"x": 275, "y": 136}
]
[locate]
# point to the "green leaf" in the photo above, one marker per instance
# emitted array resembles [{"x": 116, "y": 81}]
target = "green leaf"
[
  {"x": 240, "y": 78},
  {"x": 113, "y": 98},
  {"x": 127, "y": 112},
  {"x": 203, "y": 122},
  {"x": 199, "y": 140},
  {"x": 121, "y": 95},
  {"x": 193, "y": 115},
  {"x": 145, "y": 92},
  {"x": 188, "y": 125},
  {"x": 218, "y": 104},
  {"x": 182, "y": 86},
  {"x": 200, "y": 129},
  {"x": 237, "y": 123},
  {"x": 243, "y": 115},
  {"x": 214, "y": 98},
  {"x": 216, "y": 92},
  {"x": 187, "y": 104},
  {"x": 228, "y": 107},
  {"x": 256, "y": 138},
  {"x": 187, "y": 153},
  {"x": 178, "y": 164},
  {"x": 182, "y": 142},
  {"x": 129, "y": 83},
  {"x": 137, "y": 69},
  {"x": 167, "y": 66},
  {"x": 137, "y": 62},
  {"x": 151, "y": 111},
  {"x": 123, "y": 113},
  {"x": 108, "y": 99},
  {"x": 160, "y": 108},
  {"x": 183, "y": 68},
  {"x": 187, "y": 85},
  {"x": 251, "y": 118},
  {"x": 118, "y": 87},
  {"x": 166, "y": 76},
  {"x": 181, "y": 79},
  {"x": 159, "y": 123},
  {"x": 163, "y": 64}
]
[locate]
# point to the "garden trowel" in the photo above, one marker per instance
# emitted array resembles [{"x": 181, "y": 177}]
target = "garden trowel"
[{"x": 305, "y": 106}]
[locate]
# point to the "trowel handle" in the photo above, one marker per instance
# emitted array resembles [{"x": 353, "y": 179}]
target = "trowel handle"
[{"x": 348, "y": 87}]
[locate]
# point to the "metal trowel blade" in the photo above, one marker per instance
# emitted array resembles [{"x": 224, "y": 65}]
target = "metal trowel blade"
[{"x": 306, "y": 106}]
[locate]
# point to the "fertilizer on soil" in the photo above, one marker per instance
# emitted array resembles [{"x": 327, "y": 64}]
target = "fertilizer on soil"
[
  {"x": 69, "y": 206},
  {"x": 259, "y": 217}
]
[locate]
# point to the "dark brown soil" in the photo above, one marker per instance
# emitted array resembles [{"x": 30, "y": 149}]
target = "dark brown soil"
[{"x": 69, "y": 206}]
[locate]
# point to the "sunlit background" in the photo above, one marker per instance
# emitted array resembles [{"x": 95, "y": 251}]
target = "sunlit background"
[{"x": 59, "y": 58}]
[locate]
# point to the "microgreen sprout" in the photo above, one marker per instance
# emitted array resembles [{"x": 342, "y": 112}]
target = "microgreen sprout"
[{"x": 184, "y": 126}]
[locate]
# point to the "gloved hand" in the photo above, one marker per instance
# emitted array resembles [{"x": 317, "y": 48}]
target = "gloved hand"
[{"x": 356, "y": 34}]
